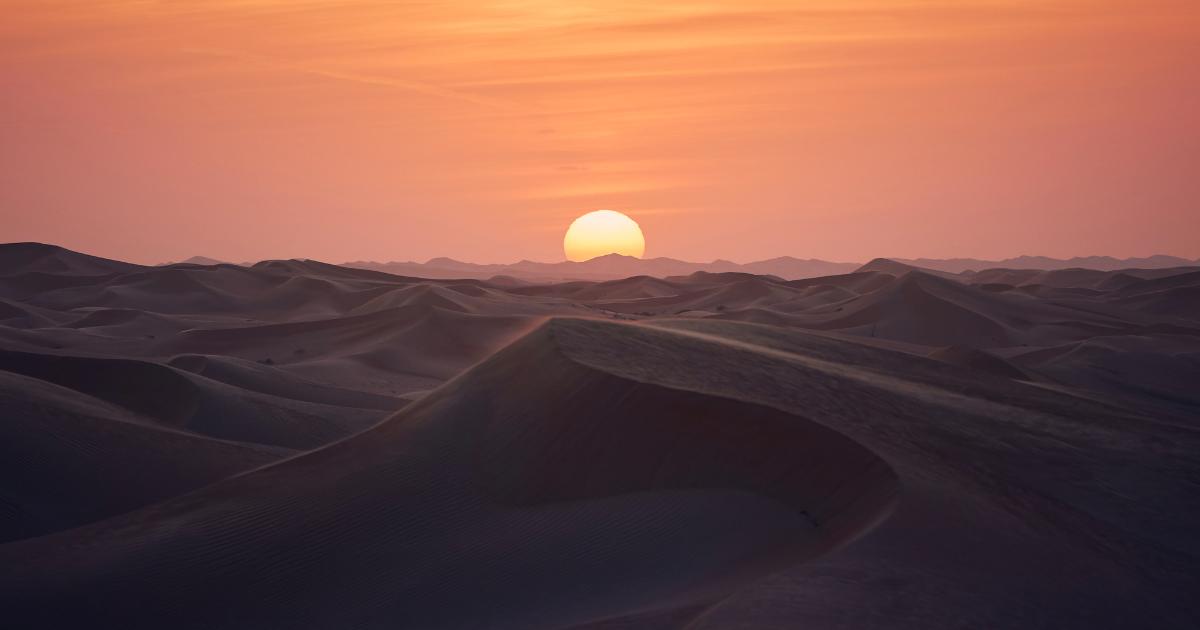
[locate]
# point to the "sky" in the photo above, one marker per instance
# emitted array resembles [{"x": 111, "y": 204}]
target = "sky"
[{"x": 835, "y": 129}]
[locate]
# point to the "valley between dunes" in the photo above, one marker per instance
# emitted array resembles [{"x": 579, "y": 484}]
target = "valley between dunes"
[{"x": 295, "y": 444}]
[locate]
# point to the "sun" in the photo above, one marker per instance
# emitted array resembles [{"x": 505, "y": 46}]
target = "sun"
[{"x": 603, "y": 232}]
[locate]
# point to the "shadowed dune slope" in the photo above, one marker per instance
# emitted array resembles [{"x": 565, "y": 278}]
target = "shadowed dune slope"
[
  {"x": 18, "y": 315},
  {"x": 266, "y": 379},
  {"x": 1022, "y": 507},
  {"x": 426, "y": 341},
  {"x": 67, "y": 459},
  {"x": 973, "y": 359},
  {"x": 52, "y": 259},
  {"x": 895, "y": 268},
  {"x": 1151, "y": 371},
  {"x": 548, "y": 485},
  {"x": 1177, "y": 296},
  {"x": 188, "y": 402},
  {"x": 933, "y": 311},
  {"x": 918, "y": 308}
]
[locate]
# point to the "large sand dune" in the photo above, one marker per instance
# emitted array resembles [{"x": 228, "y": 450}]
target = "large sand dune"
[
  {"x": 580, "y": 494},
  {"x": 296, "y": 444}
]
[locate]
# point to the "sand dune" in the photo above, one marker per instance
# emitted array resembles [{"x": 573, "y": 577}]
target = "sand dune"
[
  {"x": 488, "y": 474},
  {"x": 1175, "y": 295},
  {"x": 15, "y": 314},
  {"x": 884, "y": 448},
  {"x": 192, "y": 403},
  {"x": 255, "y": 376},
  {"x": 371, "y": 331},
  {"x": 930, "y": 563},
  {"x": 417, "y": 340},
  {"x": 737, "y": 460},
  {"x": 342, "y": 328},
  {"x": 51, "y": 259},
  {"x": 69, "y": 459},
  {"x": 976, "y": 359},
  {"x": 1150, "y": 371},
  {"x": 636, "y": 287}
]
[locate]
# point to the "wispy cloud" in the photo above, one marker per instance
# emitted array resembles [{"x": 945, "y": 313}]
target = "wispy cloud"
[{"x": 427, "y": 89}]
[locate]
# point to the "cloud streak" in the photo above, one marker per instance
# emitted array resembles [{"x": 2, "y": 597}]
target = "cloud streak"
[{"x": 427, "y": 89}]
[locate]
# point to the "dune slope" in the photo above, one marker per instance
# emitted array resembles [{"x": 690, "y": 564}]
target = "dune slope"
[
  {"x": 67, "y": 459},
  {"x": 579, "y": 495}
]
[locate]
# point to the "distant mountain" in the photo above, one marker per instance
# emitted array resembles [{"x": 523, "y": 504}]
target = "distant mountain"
[
  {"x": 609, "y": 267},
  {"x": 614, "y": 266},
  {"x": 1099, "y": 263},
  {"x": 54, "y": 259}
]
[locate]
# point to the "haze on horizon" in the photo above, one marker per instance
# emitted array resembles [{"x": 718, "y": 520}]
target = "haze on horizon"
[{"x": 834, "y": 129}]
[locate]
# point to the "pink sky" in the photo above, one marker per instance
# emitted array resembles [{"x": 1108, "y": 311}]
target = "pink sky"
[{"x": 836, "y": 129}]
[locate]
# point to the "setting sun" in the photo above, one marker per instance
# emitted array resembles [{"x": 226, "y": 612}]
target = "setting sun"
[{"x": 603, "y": 232}]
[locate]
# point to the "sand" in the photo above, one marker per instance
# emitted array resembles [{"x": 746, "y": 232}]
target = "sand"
[{"x": 296, "y": 444}]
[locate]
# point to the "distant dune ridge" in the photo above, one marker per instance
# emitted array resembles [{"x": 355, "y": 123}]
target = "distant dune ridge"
[
  {"x": 615, "y": 266},
  {"x": 297, "y": 444},
  {"x": 198, "y": 260}
]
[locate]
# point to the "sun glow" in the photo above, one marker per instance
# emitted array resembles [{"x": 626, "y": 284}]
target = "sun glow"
[{"x": 603, "y": 232}]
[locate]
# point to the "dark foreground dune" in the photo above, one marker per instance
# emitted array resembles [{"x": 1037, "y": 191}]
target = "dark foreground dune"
[
  {"x": 582, "y": 493},
  {"x": 298, "y": 445},
  {"x": 648, "y": 469},
  {"x": 67, "y": 459}
]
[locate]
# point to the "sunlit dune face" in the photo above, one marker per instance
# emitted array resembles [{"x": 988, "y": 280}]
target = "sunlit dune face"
[{"x": 603, "y": 232}]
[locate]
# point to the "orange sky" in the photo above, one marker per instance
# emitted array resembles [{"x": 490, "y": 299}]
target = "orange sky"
[{"x": 837, "y": 129}]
